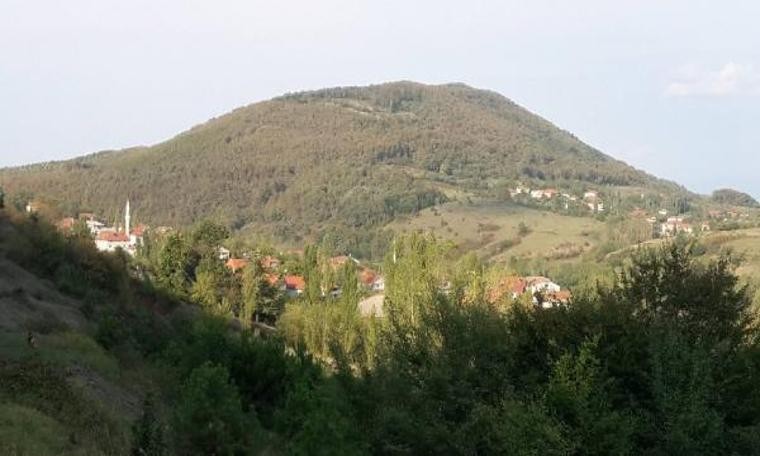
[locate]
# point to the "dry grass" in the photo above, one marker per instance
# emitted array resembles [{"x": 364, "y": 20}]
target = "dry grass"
[{"x": 488, "y": 228}]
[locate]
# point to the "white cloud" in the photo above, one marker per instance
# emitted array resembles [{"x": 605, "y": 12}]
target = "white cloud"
[{"x": 731, "y": 79}]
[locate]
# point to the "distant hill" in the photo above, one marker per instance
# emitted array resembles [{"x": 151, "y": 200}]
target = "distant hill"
[
  {"x": 734, "y": 198},
  {"x": 349, "y": 158}
]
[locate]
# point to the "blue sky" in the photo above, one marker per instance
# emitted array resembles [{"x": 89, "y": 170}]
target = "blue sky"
[{"x": 672, "y": 87}]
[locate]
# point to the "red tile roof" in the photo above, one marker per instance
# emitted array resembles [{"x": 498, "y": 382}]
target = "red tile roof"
[
  {"x": 508, "y": 285},
  {"x": 272, "y": 279},
  {"x": 112, "y": 236},
  {"x": 139, "y": 230},
  {"x": 563, "y": 296},
  {"x": 367, "y": 277},
  {"x": 236, "y": 264},
  {"x": 295, "y": 282}
]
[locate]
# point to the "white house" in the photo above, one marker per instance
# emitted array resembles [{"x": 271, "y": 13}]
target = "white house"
[
  {"x": 95, "y": 226},
  {"x": 537, "y": 194},
  {"x": 110, "y": 239},
  {"x": 675, "y": 225},
  {"x": 378, "y": 284},
  {"x": 591, "y": 195},
  {"x": 539, "y": 284}
]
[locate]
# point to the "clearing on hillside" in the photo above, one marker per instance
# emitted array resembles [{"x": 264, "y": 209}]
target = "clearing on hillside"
[{"x": 499, "y": 230}]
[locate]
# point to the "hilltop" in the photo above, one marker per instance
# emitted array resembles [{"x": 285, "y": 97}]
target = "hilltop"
[
  {"x": 343, "y": 159},
  {"x": 734, "y": 197}
]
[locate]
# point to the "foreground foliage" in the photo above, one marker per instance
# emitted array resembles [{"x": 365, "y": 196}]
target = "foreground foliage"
[{"x": 664, "y": 361}]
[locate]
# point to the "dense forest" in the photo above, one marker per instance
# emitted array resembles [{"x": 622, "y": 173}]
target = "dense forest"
[
  {"x": 344, "y": 159},
  {"x": 734, "y": 198},
  {"x": 662, "y": 359}
]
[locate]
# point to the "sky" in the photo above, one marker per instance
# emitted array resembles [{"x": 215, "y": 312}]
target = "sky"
[{"x": 669, "y": 86}]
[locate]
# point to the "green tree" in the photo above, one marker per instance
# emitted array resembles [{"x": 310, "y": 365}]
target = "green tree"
[
  {"x": 2, "y": 198},
  {"x": 253, "y": 283},
  {"x": 312, "y": 273},
  {"x": 684, "y": 398},
  {"x": 670, "y": 287},
  {"x": 576, "y": 394},
  {"x": 209, "y": 418},
  {"x": 209, "y": 234},
  {"x": 175, "y": 264}
]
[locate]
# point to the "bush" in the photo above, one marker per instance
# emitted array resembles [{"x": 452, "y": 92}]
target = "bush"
[{"x": 209, "y": 417}]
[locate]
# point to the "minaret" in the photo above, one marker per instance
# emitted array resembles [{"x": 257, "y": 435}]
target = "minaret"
[{"x": 126, "y": 220}]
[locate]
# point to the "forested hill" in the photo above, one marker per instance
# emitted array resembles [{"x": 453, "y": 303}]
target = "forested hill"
[{"x": 354, "y": 157}]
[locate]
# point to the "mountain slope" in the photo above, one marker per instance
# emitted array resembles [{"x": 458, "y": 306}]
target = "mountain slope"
[{"x": 353, "y": 157}]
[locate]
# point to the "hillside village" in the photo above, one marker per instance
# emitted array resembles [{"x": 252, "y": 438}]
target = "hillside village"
[
  {"x": 541, "y": 291},
  {"x": 664, "y": 223}
]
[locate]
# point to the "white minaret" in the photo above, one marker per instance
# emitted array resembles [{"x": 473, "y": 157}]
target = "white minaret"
[{"x": 126, "y": 220}]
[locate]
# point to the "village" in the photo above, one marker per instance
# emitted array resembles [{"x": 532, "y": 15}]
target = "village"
[
  {"x": 541, "y": 291},
  {"x": 664, "y": 224},
  {"x": 590, "y": 199}
]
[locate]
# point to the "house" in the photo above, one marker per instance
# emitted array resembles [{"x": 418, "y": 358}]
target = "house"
[
  {"x": 593, "y": 202},
  {"x": 550, "y": 193},
  {"x": 705, "y": 226},
  {"x": 591, "y": 195},
  {"x": 543, "y": 291},
  {"x": 547, "y": 193},
  {"x": 236, "y": 264},
  {"x": 110, "y": 239},
  {"x": 538, "y": 284},
  {"x": 224, "y": 253},
  {"x": 372, "y": 280},
  {"x": 294, "y": 285},
  {"x": 675, "y": 225},
  {"x": 557, "y": 298},
  {"x": 663, "y": 212},
  {"x": 508, "y": 286},
  {"x": 546, "y": 294},
  {"x": 595, "y": 206},
  {"x": 94, "y": 226},
  {"x": 32, "y": 207},
  {"x": 137, "y": 234},
  {"x": 378, "y": 284},
  {"x": 519, "y": 190},
  {"x": 367, "y": 277}
]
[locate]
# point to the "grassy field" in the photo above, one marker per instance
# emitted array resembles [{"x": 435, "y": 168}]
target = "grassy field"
[
  {"x": 747, "y": 244},
  {"x": 493, "y": 230}
]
